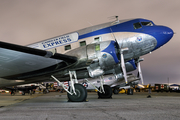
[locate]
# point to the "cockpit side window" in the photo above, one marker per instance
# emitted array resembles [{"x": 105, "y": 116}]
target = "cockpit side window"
[
  {"x": 137, "y": 25},
  {"x": 147, "y": 23}
]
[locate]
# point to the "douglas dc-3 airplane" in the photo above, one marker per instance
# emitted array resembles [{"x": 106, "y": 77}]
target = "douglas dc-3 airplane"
[{"x": 110, "y": 48}]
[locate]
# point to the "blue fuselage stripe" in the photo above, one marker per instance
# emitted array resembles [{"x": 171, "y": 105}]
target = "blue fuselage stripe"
[
  {"x": 155, "y": 31},
  {"x": 122, "y": 27}
]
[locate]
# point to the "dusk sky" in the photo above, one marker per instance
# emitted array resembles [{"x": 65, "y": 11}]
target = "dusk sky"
[{"x": 26, "y": 21}]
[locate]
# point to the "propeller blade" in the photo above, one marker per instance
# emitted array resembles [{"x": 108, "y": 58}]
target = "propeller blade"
[
  {"x": 123, "y": 64},
  {"x": 140, "y": 72},
  {"x": 121, "y": 50},
  {"x": 123, "y": 68}
]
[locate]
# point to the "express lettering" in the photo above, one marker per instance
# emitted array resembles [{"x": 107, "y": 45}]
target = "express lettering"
[{"x": 56, "y": 42}]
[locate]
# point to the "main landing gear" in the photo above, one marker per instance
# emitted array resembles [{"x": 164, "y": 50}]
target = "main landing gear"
[
  {"x": 104, "y": 91},
  {"x": 81, "y": 94},
  {"x": 107, "y": 92},
  {"x": 76, "y": 92}
]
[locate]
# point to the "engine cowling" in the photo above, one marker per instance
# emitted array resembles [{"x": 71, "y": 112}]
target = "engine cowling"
[
  {"x": 130, "y": 66},
  {"x": 103, "y": 55},
  {"x": 106, "y": 58}
]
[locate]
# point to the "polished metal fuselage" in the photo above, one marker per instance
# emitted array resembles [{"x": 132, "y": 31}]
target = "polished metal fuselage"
[
  {"x": 136, "y": 48},
  {"x": 96, "y": 58}
]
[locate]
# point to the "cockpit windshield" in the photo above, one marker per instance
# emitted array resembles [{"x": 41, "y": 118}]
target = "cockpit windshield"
[
  {"x": 147, "y": 23},
  {"x": 137, "y": 25}
]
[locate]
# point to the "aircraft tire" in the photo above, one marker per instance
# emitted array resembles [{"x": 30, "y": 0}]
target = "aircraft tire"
[
  {"x": 81, "y": 94},
  {"x": 116, "y": 91},
  {"x": 108, "y": 92},
  {"x": 130, "y": 92}
]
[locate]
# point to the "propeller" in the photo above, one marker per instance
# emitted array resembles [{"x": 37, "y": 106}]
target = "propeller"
[
  {"x": 121, "y": 50},
  {"x": 123, "y": 64},
  {"x": 139, "y": 69}
]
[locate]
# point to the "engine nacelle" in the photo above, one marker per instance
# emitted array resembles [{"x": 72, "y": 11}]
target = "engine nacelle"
[
  {"x": 103, "y": 53},
  {"x": 107, "y": 59},
  {"x": 109, "y": 55},
  {"x": 130, "y": 66},
  {"x": 95, "y": 72},
  {"x": 101, "y": 57}
]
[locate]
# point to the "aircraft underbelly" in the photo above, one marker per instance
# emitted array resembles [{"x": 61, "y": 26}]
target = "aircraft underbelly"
[{"x": 13, "y": 62}]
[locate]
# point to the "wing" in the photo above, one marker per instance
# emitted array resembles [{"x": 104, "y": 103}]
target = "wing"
[{"x": 20, "y": 62}]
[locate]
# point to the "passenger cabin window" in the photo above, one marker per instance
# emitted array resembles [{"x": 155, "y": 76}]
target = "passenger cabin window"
[
  {"x": 137, "y": 25},
  {"x": 67, "y": 47},
  {"x": 147, "y": 23},
  {"x": 97, "y": 39},
  {"x": 82, "y": 43}
]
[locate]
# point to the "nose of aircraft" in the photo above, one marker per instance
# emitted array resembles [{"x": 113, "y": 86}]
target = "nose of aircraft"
[{"x": 163, "y": 35}]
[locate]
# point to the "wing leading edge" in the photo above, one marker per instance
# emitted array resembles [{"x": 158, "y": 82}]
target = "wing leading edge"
[{"x": 18, "y": 62}]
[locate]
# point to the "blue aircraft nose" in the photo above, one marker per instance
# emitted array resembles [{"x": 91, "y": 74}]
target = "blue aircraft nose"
[{"x": 163, "y": 35}]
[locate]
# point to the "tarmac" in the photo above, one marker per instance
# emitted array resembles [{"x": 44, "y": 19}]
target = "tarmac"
[{"x": 54, "y": 106}]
